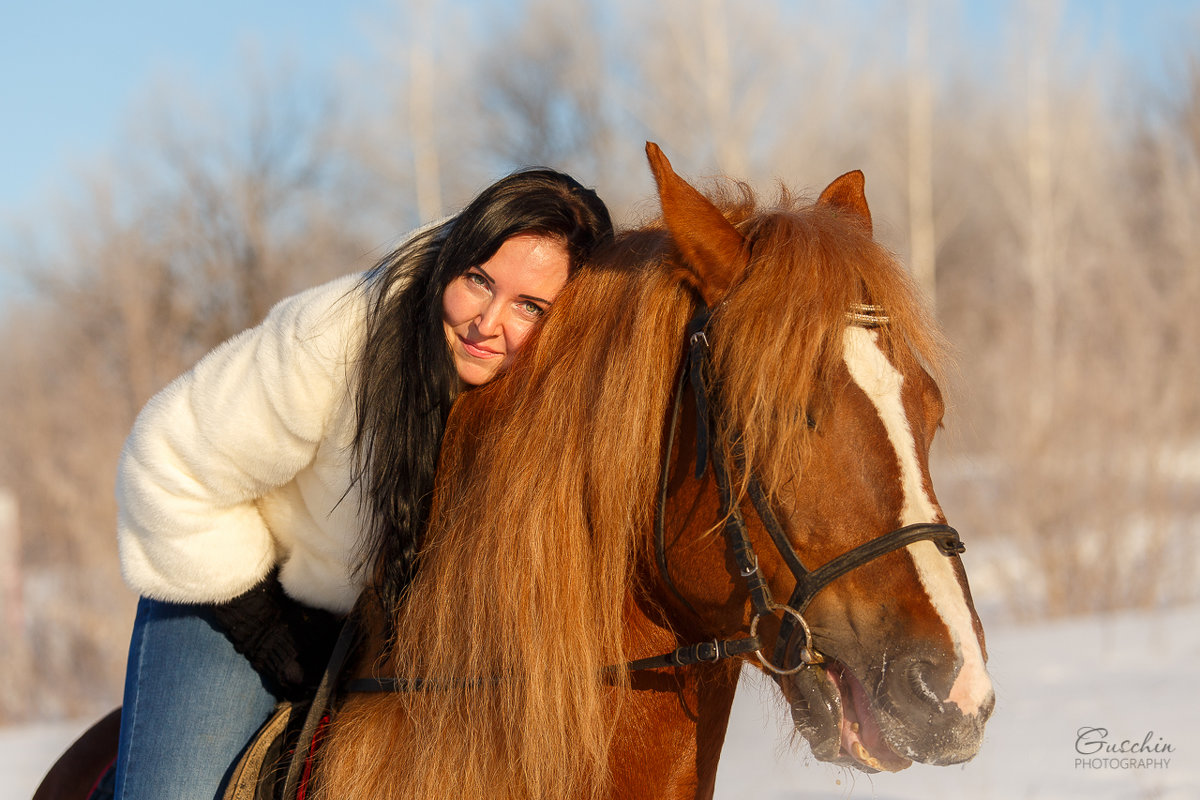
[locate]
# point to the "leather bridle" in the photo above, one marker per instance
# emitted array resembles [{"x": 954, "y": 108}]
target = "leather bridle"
[{"x": 695, "y": 370}]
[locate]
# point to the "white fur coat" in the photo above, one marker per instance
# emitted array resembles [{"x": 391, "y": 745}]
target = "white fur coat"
[{"x": 245, "y": 462}]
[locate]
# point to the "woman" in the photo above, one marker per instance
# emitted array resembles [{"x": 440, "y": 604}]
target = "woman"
[{"x": 298, "y": 458}]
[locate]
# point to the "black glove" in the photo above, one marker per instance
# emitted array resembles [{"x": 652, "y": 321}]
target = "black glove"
[{"x": 287, "y": 643}]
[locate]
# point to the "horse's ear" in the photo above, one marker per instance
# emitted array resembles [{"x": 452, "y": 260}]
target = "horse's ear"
[
  {"x": 847, "y": 193},
  {"x": 708, "y": 242}
]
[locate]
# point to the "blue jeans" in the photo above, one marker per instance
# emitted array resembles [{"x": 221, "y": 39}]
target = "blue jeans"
[{"x": 192, "y": 704}]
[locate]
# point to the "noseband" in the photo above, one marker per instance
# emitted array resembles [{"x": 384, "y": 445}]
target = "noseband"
[{"x": 695, "y": 370}]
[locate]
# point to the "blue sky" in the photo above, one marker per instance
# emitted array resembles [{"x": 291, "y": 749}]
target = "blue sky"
[{"x": 72, "y": 71}]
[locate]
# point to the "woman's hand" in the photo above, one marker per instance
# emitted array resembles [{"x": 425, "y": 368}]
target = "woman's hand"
[{"x": 287, "y": 643}]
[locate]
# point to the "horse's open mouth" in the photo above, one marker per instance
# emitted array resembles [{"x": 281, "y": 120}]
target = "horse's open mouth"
[
  {"x": 861, "y": 739},
  {"x": 831, "y": 709}
]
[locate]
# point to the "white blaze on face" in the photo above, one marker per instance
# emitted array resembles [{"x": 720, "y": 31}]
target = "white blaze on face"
[{"x": 882, "y": 383}]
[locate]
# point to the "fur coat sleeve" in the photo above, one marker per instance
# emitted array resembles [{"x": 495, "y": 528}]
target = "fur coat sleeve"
[{"x": 241, "y": 424}]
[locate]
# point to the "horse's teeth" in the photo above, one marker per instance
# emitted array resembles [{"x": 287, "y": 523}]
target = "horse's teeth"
[{"x": 860, "y": 752}]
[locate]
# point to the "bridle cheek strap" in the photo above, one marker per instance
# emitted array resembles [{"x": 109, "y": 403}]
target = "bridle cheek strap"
[{"x": 808, "y": 583}]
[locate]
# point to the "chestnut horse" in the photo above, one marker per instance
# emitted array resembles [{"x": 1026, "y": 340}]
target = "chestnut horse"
[
  {"x": 725, "y": 400},
  {"x": 592, "y": 515}
]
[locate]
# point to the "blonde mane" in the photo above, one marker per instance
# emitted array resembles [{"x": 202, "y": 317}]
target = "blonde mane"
[{"x": 545, "y": 494}]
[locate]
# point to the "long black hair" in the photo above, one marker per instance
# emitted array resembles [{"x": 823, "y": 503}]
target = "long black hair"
[{"x": 406, "y": 377}]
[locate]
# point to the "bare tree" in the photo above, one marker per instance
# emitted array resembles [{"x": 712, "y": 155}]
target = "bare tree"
[
  {"x": 183, "y": 246},
  {"x": 540, "y": 91},
  {"x": 922, "y": 235},
  {"x": 701, "y": 78},
  {"x": 422, "y": 120}
]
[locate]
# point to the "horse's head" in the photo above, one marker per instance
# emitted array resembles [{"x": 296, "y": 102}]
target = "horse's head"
[{"x": 822, "y": 394}]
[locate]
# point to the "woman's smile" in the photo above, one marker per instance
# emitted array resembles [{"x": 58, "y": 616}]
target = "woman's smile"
[
  {"x": 489, "y": 310},
  {"x": 478, "y": 350}
]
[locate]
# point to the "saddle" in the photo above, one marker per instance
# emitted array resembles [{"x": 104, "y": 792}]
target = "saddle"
[
  {"x": 262, "y": 771},
  {"x": 278, "y": 762}
]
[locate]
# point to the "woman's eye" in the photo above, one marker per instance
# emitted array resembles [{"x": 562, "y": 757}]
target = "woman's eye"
[
  {"x": 532, "y": 309},
  {"x": 477, "y": 279}
]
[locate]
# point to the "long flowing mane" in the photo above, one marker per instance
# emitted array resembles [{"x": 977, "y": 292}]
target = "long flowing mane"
[{"x": 546, "y": 490}]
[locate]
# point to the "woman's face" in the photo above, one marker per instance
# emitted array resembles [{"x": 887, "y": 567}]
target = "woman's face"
[{"x": 489, "y": 310}]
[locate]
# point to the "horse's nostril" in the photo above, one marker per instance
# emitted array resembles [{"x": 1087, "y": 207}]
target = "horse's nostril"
[
  {"x": 928, "y": 682},
  {"x": 918, "y": 685},
  {"x": 921, "y": 680}
]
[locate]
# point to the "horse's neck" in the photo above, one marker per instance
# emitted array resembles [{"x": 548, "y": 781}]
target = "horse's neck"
[{"x": 672, "y": 726}]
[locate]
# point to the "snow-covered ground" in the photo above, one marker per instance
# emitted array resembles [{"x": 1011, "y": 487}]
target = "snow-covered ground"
[
  {"x": 1132, "y": 674},
  {"x": 27, "y": 752}
]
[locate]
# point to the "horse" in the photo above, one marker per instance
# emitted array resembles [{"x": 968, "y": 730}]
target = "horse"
[{"x": 714, "y": 452}]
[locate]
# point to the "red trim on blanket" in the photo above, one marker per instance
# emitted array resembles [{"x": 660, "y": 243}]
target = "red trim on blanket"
[
  {"x": 100, "y": 777},
  {"x": 302, "y": 791}
]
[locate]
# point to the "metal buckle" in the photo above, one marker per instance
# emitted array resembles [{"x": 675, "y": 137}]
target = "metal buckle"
[
  {"x": 808, "y": 656},
  {"x": 951, "y": 545}
]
